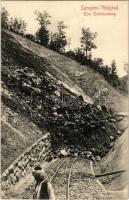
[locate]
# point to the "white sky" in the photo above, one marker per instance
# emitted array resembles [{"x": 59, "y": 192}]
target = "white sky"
[{"x": 112, "y": 39}]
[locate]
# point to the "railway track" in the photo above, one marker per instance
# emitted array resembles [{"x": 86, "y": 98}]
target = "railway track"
[
  {"x": 83, "y": 184},
  {"x": 61, "y": 178},
  {"x": 72, "y": 180}
]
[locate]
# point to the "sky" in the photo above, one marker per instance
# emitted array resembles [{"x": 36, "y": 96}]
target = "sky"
[{"x": 112, "y": 39}]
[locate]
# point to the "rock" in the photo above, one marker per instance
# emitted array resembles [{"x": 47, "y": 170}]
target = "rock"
[
  {"x": 2, "y": 194},
  {"x": 93, "y": 149},
  {"x": 98, "y": 158},
  {"x": 75, "y": 154},
  {"x": 57, "y": 93},
  {"x": 111, "y": 137},
  {"x": 63, "y": 153},
  {"x": 54, "y": 108},
  {"x": 112, "y": 144},
  {"x": 11, "y": 169},
  {"x": 80, "y": 97},
  {"x": 113, "y": 120},
  {"x": 60, "y": 115},
  {"x": 99, "y": 107},
  {"x": 49, "y": 158},
  {"x": 88, "y": 154},
  {"x": 104, "y": 108},
  {"x": 55, "y": 113},
  {"x": 119, "y": 132},
  {"x": 4, "y": 177}
]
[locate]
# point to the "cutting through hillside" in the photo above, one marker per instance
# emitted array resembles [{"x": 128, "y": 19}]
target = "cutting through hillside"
[{"x": 64, "y": 116}]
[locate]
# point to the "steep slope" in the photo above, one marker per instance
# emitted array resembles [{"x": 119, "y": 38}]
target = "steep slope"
[
  {"x": 115, "y": 160},
  {"x": 52, "y": 104},
  {"x": 125, "y": 83},
  {"x": 69, "y": 70},
  {"x": 39, "y": 92},
  {"x": 17, "y": 134},
  {"x": 40, "y": 63}
]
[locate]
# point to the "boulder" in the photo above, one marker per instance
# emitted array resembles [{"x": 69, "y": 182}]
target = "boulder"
[
  {"x": 55, "y": 114},
  {"x": 57, "y": 93},
  {"x": 63, "y": 153},
  {"x": 112, "y": 144},
  {"x": 113, "y": 120},
  {"x": 98, "y": 158},
  {"x": 111, "y": 137}
]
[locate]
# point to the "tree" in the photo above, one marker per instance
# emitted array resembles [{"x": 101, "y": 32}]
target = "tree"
[
  {"x": 17, "y": 25},
  {"x": 58, "y": 40},
  {"x": 87, "y": 41},
  {"x": 69, "y": 42},
  {"x": 54, "y": 42},
  {"x": 114, "y": 77},
  {"x": 126, "y": 67},
  {"x": 97, "y": 64},
  {"x": 79, "y": 55},
  {"x": 30, "y": 37},
  {"x": 124, "y": 80},
  {"x": 113, "y": 68},
  {"x": 42, "y": 34},
  {"x": 107, "y": 72},
  {"x": 4, "y": 18},
  {"x": 62, "y": 42}
]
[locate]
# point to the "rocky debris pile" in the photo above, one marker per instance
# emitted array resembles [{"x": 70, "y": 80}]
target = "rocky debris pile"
[
  {"x": 48, "y": 104},
  {"x": 73, "y": 152}
]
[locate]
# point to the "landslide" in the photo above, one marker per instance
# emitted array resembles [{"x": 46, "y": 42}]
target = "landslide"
[
  {"x": 82, "y": 76},
  {"x": 36, "y": 95}
]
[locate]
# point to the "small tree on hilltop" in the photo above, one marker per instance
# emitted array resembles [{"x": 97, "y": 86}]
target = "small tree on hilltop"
[
  {"x": 113, "y": 76},
  {"x": 58, "y": 40},
  {"x": 4, "y": 18},
  {"x": 113, "y": 68},
  {"x": 87, "y": 41},
  {"x": 17, "y": 25},
  {"x": 61, "y": 35},
  {"x": 42, "y": 34},
  {"x": 126, "y": 67},
  {"x": 79, "y": 55},
  {"x": 53, "y": 42},
  {"x": 30, "y": 37}
]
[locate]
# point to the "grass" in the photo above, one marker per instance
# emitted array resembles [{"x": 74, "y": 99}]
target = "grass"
[{"x": 18, "y": 134}]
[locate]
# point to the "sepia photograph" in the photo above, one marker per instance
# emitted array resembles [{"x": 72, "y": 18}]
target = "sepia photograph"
[{"x": 64, "y": 100}]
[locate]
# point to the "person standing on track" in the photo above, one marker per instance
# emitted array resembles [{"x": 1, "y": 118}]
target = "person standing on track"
[{"x": 43, "y": 188}]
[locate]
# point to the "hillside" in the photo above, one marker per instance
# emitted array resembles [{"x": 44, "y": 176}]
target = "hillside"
[
  {"x": 17, "y": 134},
  {"x": 115, "y": 160},
  {"x": 22, "y": 104},
  {"x": 44, "y": 91},
  {"x": 124, "y": 83},
  {"x": 70, "y": 71}
]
